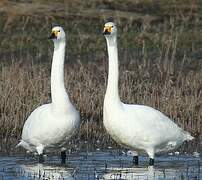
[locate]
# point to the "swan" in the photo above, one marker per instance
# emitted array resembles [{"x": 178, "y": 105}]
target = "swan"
[
  {"x": 137, "y": 127},
  {"x": 51, "y": 125}
]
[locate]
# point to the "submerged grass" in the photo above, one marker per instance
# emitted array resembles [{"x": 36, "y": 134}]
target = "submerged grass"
[{"x": 159, "y": 52}]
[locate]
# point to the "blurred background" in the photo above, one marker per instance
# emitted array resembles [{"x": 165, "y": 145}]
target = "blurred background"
[{"x": 160, "y": 60}]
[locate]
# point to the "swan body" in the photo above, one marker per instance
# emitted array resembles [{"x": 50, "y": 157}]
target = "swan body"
[
  {"x": 138, "y": 127},
  {"x": 149, "y": 129},
  {"x": 51, "y": 125}
]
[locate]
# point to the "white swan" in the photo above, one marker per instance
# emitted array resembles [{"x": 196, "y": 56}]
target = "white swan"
[
  {"x": 138, "y": 127},
  {"x": 51, "y": 125}
]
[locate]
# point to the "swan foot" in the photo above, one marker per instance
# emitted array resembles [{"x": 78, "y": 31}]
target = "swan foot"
[
  {"x": 63, "y": 157},
  {"x": 135, "y": 160},
  {"x": 151, "y": 161},
  {"x": 41, "y": 158}
]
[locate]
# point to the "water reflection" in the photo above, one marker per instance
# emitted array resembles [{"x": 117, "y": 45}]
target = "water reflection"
[
  {"x": 174, "y": 167},
  {"x": 101, "y": 165},
  {"x": 43, "y": 171},
  {"x": 149, "y": 173}
]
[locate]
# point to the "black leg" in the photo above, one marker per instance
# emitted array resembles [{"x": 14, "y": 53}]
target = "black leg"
[
  {"x": 41, "y": 159},
  {"x": 151, "y": 162},
  {"x": 135, "y": 160},
  {"x": 63, "y": 157}
]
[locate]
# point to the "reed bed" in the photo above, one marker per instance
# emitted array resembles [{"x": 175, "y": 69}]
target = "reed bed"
[{"x": 26, "y": 86}]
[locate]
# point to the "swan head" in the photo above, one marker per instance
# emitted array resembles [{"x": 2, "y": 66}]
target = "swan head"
[
  {"x": 57, "y": 34},
  {"x": 110, "y": 29}
]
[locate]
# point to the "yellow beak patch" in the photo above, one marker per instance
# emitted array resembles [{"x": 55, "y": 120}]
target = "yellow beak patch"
[
  {"x": 107, "y": 29},
  {"x": 55, "y": 33}
]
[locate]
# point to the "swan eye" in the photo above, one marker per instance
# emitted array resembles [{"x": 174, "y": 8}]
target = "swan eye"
[
  {"x": 58, "y": 30},
  {"x": 112, "y": 26}
]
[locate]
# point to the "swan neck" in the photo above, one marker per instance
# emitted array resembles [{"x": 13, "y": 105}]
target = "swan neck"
[
  {"x": 60, "y": 99},
  {"x": 112, "y": 93}
]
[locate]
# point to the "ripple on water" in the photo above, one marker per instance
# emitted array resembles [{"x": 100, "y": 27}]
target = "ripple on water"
[{"x": 101, "y": 165}]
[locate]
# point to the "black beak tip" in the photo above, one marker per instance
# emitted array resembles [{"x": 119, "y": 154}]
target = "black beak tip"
[
  {"x": 106, "y": 33},
  {"x": 52, "y": 36}
]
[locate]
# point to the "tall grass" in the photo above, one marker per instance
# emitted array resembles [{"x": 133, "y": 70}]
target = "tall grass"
[{"x": 25, "y": 86}]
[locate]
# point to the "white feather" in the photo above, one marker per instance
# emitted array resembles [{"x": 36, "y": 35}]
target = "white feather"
[
  {"x": 51, "y": 125},
  {"x": 138, "y": 127}
]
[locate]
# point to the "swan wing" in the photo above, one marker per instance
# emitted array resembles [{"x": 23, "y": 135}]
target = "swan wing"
[
  {"x": 150, "y": 125},
  {"x": 43, "y": 127}
]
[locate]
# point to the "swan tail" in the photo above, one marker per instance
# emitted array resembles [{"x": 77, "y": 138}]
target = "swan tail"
[
  {"x": 188, "y": 137},
  {"x": 24, "y": 145},
  {"x": 19, "y": 144}
]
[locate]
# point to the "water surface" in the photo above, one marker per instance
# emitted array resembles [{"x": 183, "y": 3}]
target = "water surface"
[{"x": 101, "y": 165}]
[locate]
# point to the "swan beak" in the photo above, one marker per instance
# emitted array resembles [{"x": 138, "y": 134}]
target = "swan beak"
[
  {"x": 107, "y": 30},
  {"x": 53, "y": 35}
]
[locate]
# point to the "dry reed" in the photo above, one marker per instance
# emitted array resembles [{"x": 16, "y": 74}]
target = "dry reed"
[{"x": 26, "y": 86}]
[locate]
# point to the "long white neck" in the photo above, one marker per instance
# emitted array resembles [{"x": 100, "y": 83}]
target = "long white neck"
[
  {"x": 112, "y": 93},
  {"x": 60, "y": 99}
]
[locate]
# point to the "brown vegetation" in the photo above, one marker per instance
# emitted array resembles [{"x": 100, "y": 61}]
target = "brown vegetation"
[{"x": 26, "y": 86}]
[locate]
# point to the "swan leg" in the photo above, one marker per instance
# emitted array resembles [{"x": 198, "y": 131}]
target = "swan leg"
[
  {"x": 63, "y": 157},
  {"x": 151, "y": 157},
  {"x": 41, "y": 158},
  {"x": 151, "y": 161},
  {"x": 39, "y": 150},
  {"x": 135, "y": 158}
]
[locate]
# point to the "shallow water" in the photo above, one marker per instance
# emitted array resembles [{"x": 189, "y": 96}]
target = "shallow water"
[{"x": 101, "y": 165}]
